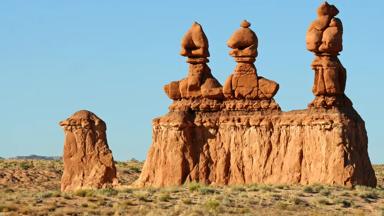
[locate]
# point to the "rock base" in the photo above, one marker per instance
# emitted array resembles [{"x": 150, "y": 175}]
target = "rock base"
[{"x": 230, "y": 147}]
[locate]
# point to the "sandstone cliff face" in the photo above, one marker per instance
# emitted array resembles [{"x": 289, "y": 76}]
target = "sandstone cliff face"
[
  {"x": 237, "y": 147},
  {"x": 88, "y": 162}
]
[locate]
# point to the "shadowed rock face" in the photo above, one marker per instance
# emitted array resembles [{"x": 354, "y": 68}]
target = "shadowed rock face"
[{"x": 88, "y": 162}]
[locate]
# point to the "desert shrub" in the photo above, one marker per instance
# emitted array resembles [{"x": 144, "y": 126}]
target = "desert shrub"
[
  {"x": 84, "y": 193},
  {"x": 253, "y": 187},
  {"x": 108, "y": 192},
  {"x": 315, "y": 188},
  {"x": 367, "y": 192},
  {"x": 25, "y": 165},
  {"x": 135, "y": 169},
  {"x": 67, "y": 196},
  {"x": 207, "y": 190},
  {"x": 212, "y": 204},
  {"x": 308, "y": 189},
  {"x": 193, "y": 186},
  {"x": 127, "y": 190},
  {"x": 282, "y": 204},
  {"x": 187, "y": 201},
  {"x": 283, "y": 187},
  {"x": 369, "y": 195},
  {"x": 325, "y": 192},
  {"x": 238, "y": 188},
  {"x": 297, "y": 201},
  {"x": 164, "y": 197},
  {"x": 226, "y": 201},
  {"x": 142, "y": 196},
  {"x": 268, "y": 188},
  {"x": 344, "y": 203}
]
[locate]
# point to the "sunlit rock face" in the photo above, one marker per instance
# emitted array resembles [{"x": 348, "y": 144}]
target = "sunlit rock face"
[
  {"x": 88, "y": 161},
  {"x": 237, "y": 134}
]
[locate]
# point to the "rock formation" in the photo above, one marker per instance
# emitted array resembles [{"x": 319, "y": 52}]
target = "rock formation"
[
  {"x": 245, "y": 138},
  {"x": 324, "y": 38},
  {"x": 199, "y": 85},
  {"x": 244, "y": 83},
  {"x": 220, "y": 148},
  {"x": 88, "y": 162}
]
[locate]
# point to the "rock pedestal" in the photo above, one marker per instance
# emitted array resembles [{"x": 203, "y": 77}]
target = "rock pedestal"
[
  {"x": 237, "y": 147},
  {"x": 88, "y": 162}
]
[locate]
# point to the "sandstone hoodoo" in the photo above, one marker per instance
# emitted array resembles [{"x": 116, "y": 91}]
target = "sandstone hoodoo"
[
  {"x": 199, "y": 86},
  {"x": 241, "y": 136},
  {"x": 244, "y": 83},
  {"x": 88, "y": 161},
  {"x": 324, "y": 38}
]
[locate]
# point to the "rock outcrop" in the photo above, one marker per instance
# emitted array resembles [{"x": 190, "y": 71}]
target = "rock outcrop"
[
  {"x": 243, "y": 137},
  {"x": 324, "y": 38},
  {"x": 297, "y": 147},
  {"x": 88, "y": 161}
]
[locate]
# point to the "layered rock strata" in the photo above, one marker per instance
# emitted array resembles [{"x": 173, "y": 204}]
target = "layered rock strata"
[
  {"x": 88, "y": 161},
  {"x": 238, "y": 147}
]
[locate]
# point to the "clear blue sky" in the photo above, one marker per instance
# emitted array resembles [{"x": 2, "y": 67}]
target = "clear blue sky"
[{"x": 113, "y": 58}]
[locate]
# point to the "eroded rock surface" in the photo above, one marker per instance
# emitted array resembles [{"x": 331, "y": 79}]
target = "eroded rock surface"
[
  {"x": 244, "y": 83},
  {"x": 88, "y": 161},
  {"x": 220, "y": 148},
  {"x": 324, "y": 38},
  {"x": 244, "y": 137},
  {"x": 199, "y": 83}
]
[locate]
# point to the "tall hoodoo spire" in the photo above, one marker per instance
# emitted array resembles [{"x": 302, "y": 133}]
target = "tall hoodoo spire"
[{"x": 325, "y": 39}]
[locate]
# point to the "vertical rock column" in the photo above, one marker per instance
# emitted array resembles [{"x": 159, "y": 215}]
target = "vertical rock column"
[
  {"x": 88, "y": 161},
  {"x": 324, "y": 38}
]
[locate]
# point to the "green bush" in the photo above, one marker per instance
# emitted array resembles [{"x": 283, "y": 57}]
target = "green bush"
[
  {"x": 25, "y": 165},
  {"x": 108, "y": 192},
  {"x": 212, "y": 204},
  {"x": 165, "y": 197},
  {"x": 85, "y": 193},
  {"x": 207, "y": 190},
  {"x": 194, "y": 186}
]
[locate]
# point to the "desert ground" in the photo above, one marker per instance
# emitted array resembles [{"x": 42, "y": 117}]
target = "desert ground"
[{"x": 32, "y": 187}]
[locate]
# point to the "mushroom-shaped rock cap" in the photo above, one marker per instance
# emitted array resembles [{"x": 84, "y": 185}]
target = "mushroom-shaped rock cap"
[
  {"x": 83, "y": 118},
  {"x": 326, "y": 9},
  {"x": 243, "y": 37},
  {"x": 195, "y": 43}
]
